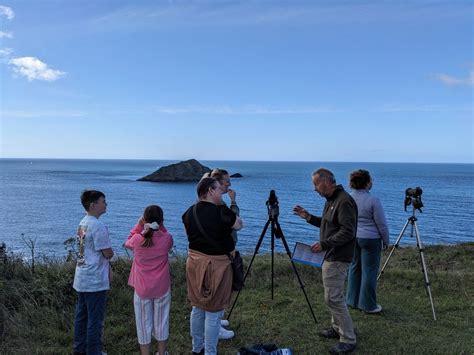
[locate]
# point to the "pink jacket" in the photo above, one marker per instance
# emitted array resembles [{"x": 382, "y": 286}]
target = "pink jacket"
[{"x": 150, "y": 273}]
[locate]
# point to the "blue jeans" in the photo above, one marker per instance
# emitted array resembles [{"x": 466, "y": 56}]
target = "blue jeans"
[
  {"x": 205, "y": 330},
  {"x": 362, "y": 280},
  {"x": 89, "y": 322}
]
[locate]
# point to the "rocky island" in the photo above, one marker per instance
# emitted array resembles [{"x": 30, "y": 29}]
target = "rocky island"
[{"x": 184, "y": 171}]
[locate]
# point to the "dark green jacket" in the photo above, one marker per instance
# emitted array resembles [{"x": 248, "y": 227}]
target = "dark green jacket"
[{"x": 338, "y": 226}]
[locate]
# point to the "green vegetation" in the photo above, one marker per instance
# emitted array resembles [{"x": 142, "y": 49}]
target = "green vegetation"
[{"x": 36, "y": 309}]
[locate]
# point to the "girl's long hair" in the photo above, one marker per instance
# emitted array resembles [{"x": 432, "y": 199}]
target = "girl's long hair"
[{"x": 152, "y": 214}]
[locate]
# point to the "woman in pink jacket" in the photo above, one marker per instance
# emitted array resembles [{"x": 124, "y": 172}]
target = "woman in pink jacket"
[{"x": 150, "y": 277}]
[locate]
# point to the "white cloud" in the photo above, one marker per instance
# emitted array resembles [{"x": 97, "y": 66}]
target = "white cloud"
[
  {"x": 4, "y": 34},
  {"x": 257, "y": 13},
  {"x": 243, "y": 110},
  {"x": 7, "y": 11},
  {"x": 421, "y": 108},
  {"x": 451, "y": 80},
  {"x": 34, "y": 69},
  {"x": 30, "y": 67},
  {"x": 53, "y": 113},
  {"x": 5, "y": 54},
  {"x": 168, "y": 110}
]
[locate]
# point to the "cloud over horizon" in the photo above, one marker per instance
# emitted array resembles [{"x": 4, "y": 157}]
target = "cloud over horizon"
[
  {"x": 5, "y": 54},
  {"x": 254, "y": 13},
  {"x": 7, "y": 12},
  {"x": 34, "y": 69},
  {"x": 5, "y": 34},
  {"x": 29, "y": 67},
  {"x": 453, "y": 81}
]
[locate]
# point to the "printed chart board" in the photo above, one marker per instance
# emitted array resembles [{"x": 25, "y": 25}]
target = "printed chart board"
[{"x": 303, "y": 254}]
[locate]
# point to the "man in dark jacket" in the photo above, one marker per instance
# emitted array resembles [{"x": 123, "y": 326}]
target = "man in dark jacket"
[{"x": 338, "y": 226}]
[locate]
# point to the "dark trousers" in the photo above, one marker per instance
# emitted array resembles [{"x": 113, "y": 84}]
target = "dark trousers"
[
  {"x": 89, "y": 322},
  {"x": 362, "y": 278}
]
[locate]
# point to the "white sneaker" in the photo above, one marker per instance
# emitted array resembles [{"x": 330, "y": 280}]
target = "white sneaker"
[
  {"x": 224, "y": 323},
  {"x": 285, "y": 351},
  {"x": 225, "y": 334},
  {"x": 377, "y": 309}
]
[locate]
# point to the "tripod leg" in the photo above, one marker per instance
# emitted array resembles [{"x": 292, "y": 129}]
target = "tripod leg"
[
  {"x": 296, "y": 271},
  {"x": 257, "y": 247},
  {"x": 423, "y": 268},
  {"x": 273, "y": 250},
  {"x": 397, "y": 243}
]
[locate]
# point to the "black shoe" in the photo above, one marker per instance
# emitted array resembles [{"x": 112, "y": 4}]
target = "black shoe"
[
  {"x": 199, "y": 353},
  {"x": 329, "y": 333},
  {"x": 342, "y": 348}
]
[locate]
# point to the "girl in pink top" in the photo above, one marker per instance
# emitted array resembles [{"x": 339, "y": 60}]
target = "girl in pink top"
[{"x": 150, "y": 277}]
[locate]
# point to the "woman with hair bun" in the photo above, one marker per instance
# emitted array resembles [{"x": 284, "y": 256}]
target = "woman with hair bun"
[
  {"x": 372, "y": 234},
  {"x": 150, "y": 277},
  {"x": 209, "y": 227},
  {"x": 223, "y": 178}
]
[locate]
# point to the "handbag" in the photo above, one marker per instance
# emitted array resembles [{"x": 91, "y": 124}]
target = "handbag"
[
  {"x": 236, "y": 261},
  {"x": 238, "y": 278}
]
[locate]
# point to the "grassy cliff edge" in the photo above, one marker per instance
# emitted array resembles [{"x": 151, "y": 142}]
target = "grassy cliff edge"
[{"x": 36, "y": 309}]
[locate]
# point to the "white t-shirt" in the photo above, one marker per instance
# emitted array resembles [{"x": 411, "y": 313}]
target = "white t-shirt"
[{"x": 92, "y": 269}]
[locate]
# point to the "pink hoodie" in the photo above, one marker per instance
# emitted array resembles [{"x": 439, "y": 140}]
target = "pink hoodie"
[{"x": 150, "y": 273}]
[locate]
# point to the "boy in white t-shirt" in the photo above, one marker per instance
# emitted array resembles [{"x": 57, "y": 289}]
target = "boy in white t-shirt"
[{"x": 92, "y": 277}]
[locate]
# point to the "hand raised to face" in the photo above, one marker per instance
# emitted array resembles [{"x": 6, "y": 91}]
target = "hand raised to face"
[{"x": 232, "y": 194}]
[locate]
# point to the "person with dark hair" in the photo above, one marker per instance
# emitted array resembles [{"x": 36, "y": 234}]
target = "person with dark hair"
[
  {"x": 372, "y": 234},
  {"x": 92, "y": 275},
  {"x": 222, "y": 176},
  {"x": 209, "y": 275},
  {"x": 338, "y": 226},
  {"x": 150, "y": 277}
]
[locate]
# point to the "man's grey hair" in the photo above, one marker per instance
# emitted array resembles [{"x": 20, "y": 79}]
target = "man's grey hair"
[{"x": 325, "y": 175}]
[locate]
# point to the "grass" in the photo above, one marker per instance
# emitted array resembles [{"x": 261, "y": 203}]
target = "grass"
[{"x": 36, "y": 309}]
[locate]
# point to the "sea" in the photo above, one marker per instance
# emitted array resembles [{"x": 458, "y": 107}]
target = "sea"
[{"x": 39, "y": 200}]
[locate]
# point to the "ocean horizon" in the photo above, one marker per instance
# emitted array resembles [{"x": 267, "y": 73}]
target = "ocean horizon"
[{"x": 39, "y": 199}]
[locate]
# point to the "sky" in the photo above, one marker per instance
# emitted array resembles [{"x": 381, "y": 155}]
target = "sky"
[{"x": 365, "y": 81}]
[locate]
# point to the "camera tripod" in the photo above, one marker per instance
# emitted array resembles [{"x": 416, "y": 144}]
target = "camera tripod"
[
  {"x": 276, "y": 231},
  {"x": 412, "y": 220}
]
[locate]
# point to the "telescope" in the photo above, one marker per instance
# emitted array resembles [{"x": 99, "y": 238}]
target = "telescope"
[
  {"x": 276, "y": 232},
  {"x": 413, "y": 197},
  {"x": 272, "y": 205}
]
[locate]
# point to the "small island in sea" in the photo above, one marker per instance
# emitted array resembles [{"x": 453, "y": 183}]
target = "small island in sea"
[{"x": 184, "y": 171}]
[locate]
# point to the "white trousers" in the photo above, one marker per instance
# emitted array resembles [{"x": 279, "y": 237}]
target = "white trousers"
[{"x": 152, "y": 317}]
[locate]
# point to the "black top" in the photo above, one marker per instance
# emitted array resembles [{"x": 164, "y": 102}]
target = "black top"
[{"x": 217, "y": 222}]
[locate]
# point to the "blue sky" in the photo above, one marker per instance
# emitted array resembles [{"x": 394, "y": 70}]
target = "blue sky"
[{"x": 238, "y": 80}]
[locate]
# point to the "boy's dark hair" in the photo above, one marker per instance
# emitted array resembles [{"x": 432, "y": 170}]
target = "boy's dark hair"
[
  {"x": 153, "y": 213},
  {"x": 90, "y": 196}
]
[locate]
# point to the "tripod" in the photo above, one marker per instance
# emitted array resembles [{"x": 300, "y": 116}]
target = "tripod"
[
  {"x": 412, "y": 220},
  {"x": 273, "y": 211}
]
